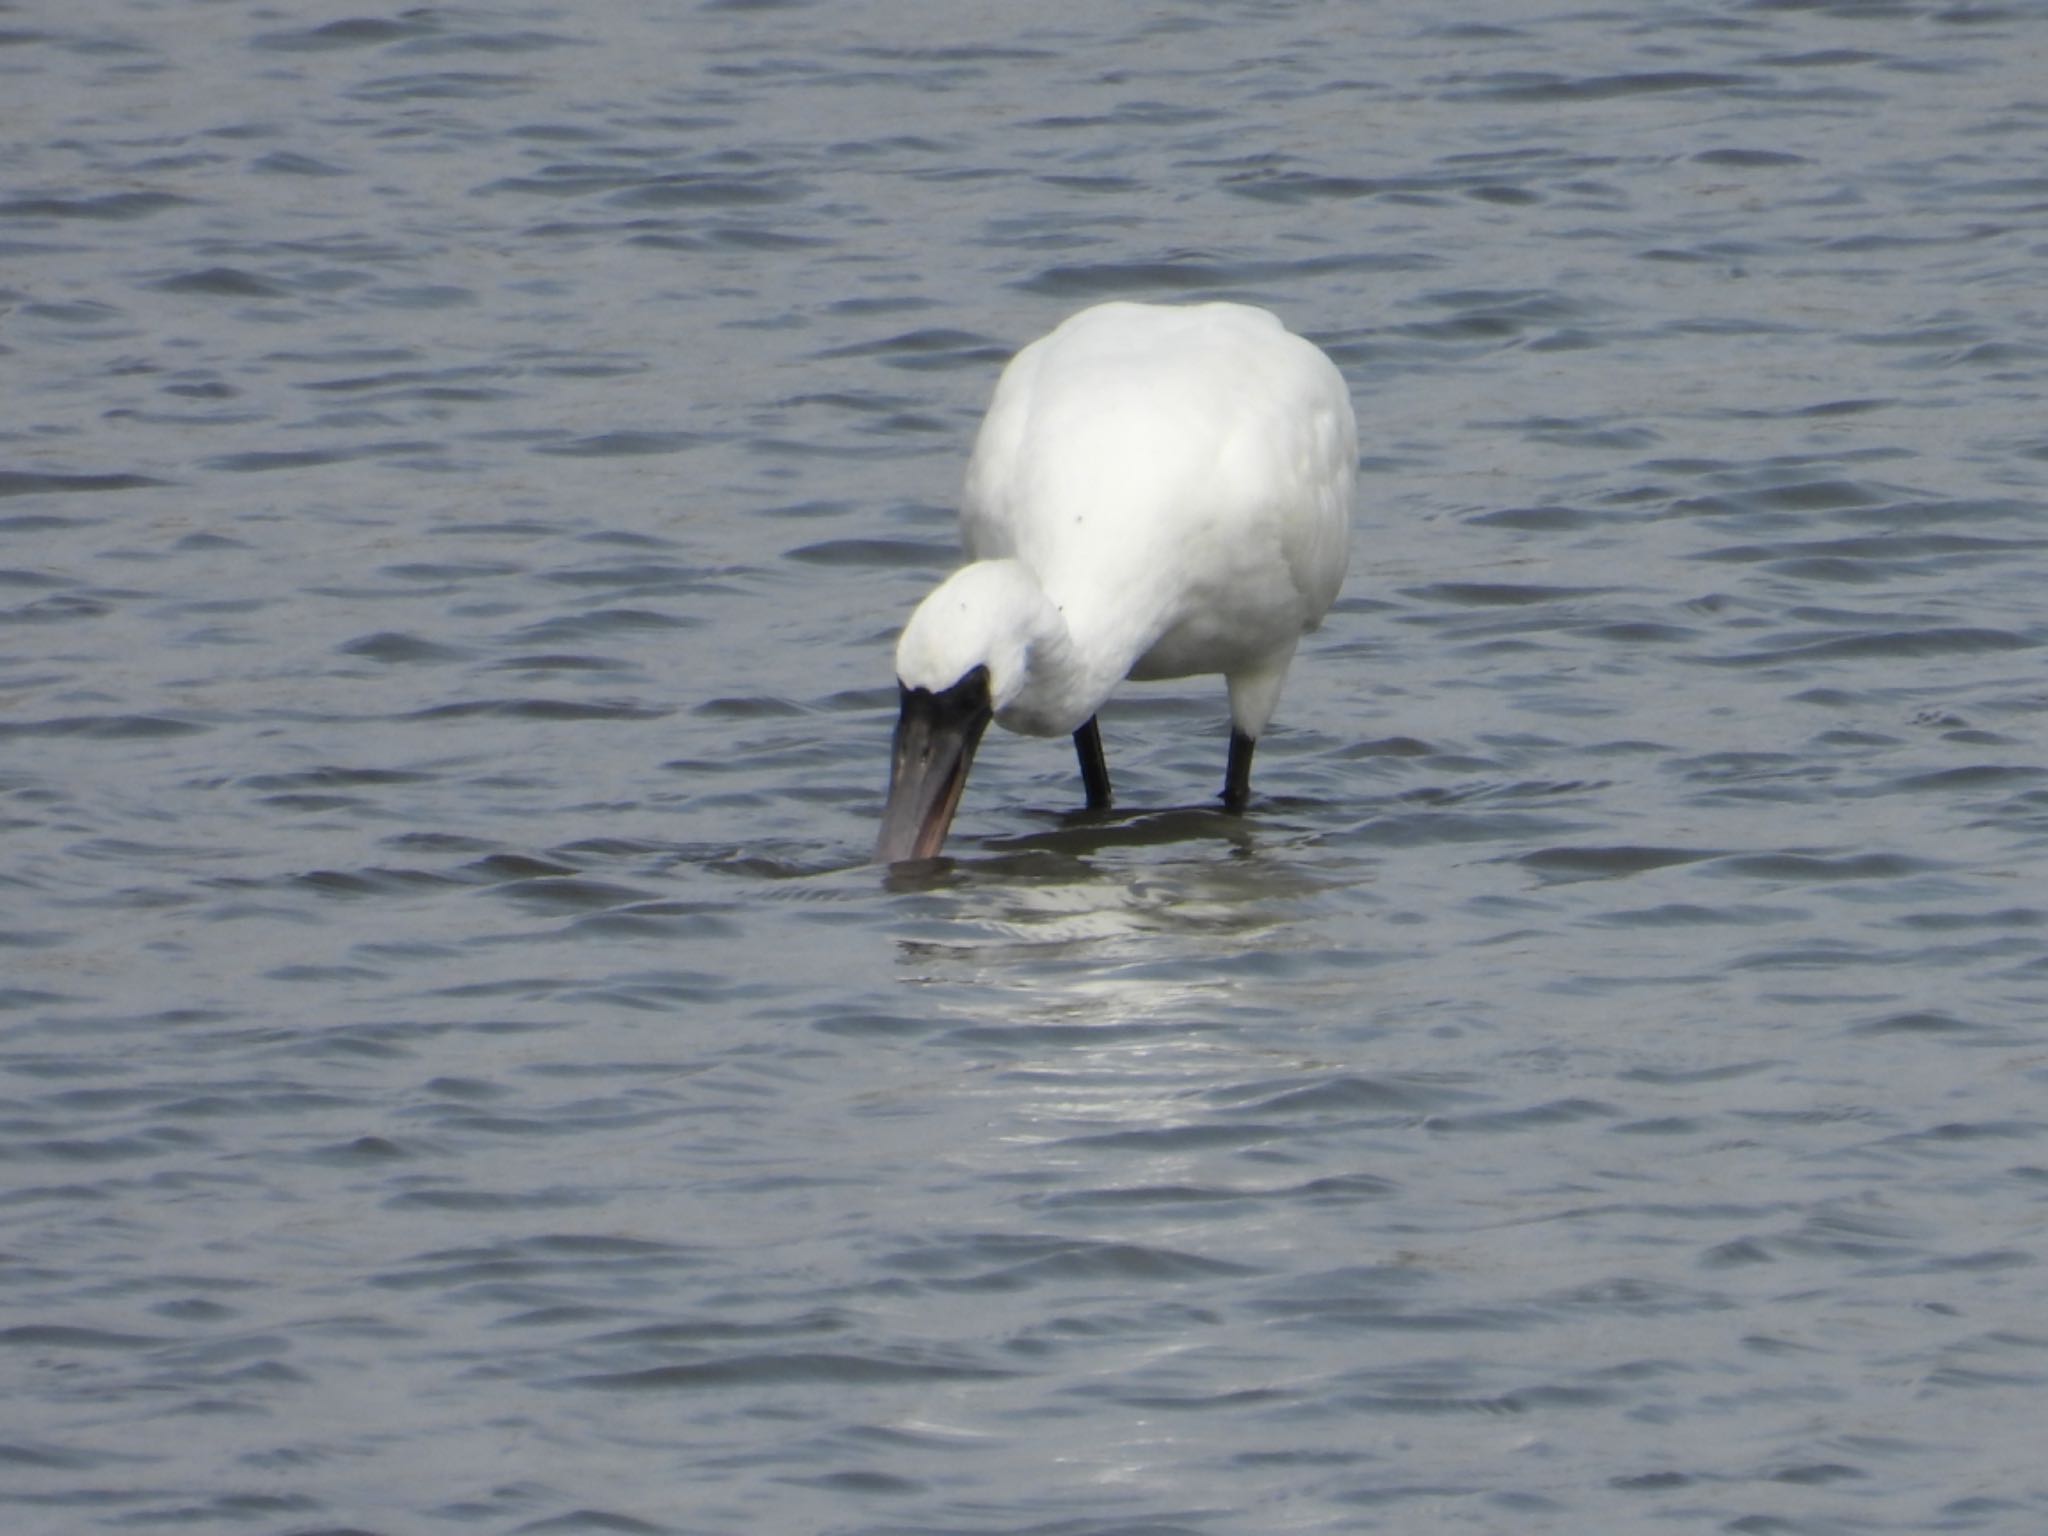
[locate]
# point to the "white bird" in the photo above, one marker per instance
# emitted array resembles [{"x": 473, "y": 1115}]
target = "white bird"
[{"x": 1157, "y": 491}]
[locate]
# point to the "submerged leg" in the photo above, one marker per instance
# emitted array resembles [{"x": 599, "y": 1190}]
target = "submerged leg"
[
  {"x": 1094, "y": 771},
  {"x": 1237, "y": 777}
]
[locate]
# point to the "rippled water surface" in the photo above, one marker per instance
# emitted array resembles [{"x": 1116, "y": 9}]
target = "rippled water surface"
[{"x": 461, "y": 471}]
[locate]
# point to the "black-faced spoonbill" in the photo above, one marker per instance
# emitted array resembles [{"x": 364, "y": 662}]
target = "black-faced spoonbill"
[{"x": 1156, "y": 491}]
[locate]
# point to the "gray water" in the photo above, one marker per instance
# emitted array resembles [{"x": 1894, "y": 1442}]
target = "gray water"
[{"x": 463, "y": 469}]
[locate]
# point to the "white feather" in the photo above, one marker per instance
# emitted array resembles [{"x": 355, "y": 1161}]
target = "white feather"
[{"x": 1156, "y": 492}]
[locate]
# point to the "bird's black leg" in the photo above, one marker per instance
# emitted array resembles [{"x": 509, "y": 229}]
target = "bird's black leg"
[
  {"x": 1094, "y": 771},
  {"x": 1237, "y": 777}
]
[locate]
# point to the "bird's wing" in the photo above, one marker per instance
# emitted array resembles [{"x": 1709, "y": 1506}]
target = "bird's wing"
[
  {"x": 988, "y": 507},
  {"x": 1182, "y": 440},
  {"x": 1317, "y": 541}
]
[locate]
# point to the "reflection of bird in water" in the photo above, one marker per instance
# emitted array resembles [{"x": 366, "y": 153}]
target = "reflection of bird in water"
[{"x": 1157, "y": 491}]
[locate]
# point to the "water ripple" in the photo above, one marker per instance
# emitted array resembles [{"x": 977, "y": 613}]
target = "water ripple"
[{"x": 463, "y": 479}]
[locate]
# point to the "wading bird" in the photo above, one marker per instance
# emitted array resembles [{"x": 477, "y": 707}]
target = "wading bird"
[{"x": 1156, "y": 491}]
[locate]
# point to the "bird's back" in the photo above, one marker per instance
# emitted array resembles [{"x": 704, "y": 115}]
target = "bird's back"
[{"x": 1182, "y": 473}]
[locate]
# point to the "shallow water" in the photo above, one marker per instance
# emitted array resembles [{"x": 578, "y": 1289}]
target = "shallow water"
[{"x": 461, "y": 474}]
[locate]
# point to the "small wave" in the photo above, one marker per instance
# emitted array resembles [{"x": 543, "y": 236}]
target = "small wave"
[
  {"x": 102, "y": 727},
  {"x": 351, "y": 32},
  {"x": 541, "y": 709},
  {"x": 794, "y": 1368},
  {"x": 1600, "y": 863},
  {"x": 1531, "y": 88},
  {"x": 224, "y": 282},
  {"x": 113, "y": 206},
  {"x": 15, "y": 482},
  {"x": 1882, "y": 645}
]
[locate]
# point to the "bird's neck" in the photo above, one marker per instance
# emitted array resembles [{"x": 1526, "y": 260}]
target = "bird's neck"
[{"x": 1079, "y": 652}]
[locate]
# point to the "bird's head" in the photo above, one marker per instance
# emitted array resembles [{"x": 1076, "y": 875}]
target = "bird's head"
[{"x": 965, "y": 656}]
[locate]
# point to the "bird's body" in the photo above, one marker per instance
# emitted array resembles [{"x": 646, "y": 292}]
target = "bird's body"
[{"x": 1155, "y": 492}]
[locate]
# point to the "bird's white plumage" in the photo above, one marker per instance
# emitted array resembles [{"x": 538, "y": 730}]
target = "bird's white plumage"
[{"x": 1156, "y": 491}]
